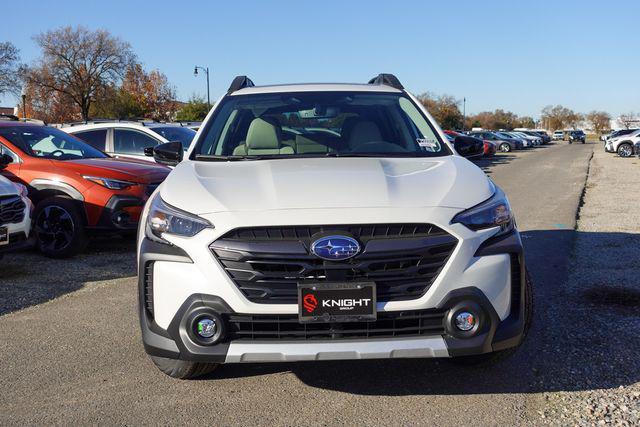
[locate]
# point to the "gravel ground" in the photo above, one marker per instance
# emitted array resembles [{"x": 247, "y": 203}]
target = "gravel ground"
[
  {"x": 28, "y": 278},
  {"x": 604, "y": 286}
]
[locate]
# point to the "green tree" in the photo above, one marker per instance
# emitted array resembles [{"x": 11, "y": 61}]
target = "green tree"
[
  {"x": 194, "y": 110},
  {"x": 444, "y": 109}
]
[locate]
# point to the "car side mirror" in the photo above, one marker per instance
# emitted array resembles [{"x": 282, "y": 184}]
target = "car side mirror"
[
  {"x": 148, "y": 151},
  {"x": 5, "y": 160},
  {"x": 169, "y": 153},
  {"x": 468, "y": 146}
]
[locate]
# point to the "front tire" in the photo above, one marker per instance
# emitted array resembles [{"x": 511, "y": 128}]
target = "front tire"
[
  {"x": 625, "y": 150},
  {"x": 59, "y": 227},
  {"x": 505, "y": 148},
  {"x": 182, "y": 369},
  {"x": 498, "y": 356}
]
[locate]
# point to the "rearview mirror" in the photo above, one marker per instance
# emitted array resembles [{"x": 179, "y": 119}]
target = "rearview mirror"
[
  {"x": 468, "y": 146},
  {"x": 5, "y": 159},
  {"x": 169, "y": 153}
]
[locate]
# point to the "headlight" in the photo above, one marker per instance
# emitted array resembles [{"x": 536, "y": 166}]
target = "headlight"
[
  {"x": 493, "y": 212},
  {"x": 112, "y": 184},
  {"x": 163, "y": 218}
]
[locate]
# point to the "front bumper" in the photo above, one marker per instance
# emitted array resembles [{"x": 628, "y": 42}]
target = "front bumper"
[
  {"x": 19, "y": 233},
  {"x": 487, "y": 272},
  {"x": 121, "y": 213}
]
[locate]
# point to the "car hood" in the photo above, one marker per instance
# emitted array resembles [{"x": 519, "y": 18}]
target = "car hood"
[
  {"x": 7, "y": 188},
  {"x": 317, "y": 183},
  {"x": 128, "y": 169}
]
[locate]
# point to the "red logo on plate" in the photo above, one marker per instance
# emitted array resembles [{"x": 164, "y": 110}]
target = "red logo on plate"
[{"x": 309, "y": 302}]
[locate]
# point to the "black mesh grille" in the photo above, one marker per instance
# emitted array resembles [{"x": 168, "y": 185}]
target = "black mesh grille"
[
  {"x": 361, "y": 232},
  {"x": 268, "y": 263},
  {"x": 287, "y": 327},
  {"x": 11, "y": 209},
  {"x": 148, "y": 288}
]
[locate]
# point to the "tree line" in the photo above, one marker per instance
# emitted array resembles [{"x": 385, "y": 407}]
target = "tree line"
[
  {"x": 83, "y": 74},
  {"x": 446, "y": 110}
]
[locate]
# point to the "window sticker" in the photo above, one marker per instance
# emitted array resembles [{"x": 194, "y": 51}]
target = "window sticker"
[{"x": 427, "y": 144}]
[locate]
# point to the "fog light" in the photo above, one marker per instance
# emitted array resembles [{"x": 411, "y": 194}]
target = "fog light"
[
  {"x": 465, "y": 321},
  {"x": 206, "y": 327}
]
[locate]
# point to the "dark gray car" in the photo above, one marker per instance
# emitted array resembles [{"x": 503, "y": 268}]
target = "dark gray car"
[{"x": 504, "y": 144}]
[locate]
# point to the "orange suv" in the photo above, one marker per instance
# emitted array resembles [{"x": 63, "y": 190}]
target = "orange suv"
[{"x": 77, "y": 190}]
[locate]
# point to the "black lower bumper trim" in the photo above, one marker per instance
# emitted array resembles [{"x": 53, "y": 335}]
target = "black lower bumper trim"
[{"x": 17, "y": 242}]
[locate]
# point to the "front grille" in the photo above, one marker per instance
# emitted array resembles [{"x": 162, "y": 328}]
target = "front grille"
[
  {"x": 11, "y": 209},
  {"x": 287, "y": 327},
  {"x": 267, "y": 264}
]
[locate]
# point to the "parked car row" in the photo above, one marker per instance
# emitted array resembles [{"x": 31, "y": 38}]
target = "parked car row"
[
  {"x": 76, "y": 190},
  {"x": 507, "y": 141},
  {"x": 624, "y": 142}
]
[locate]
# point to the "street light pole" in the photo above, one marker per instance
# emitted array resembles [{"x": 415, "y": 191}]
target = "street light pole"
[
  {"x": 206, "y": 71},
  {"x": 464, "y": 111},
  {"x": 24, "y": 104}
]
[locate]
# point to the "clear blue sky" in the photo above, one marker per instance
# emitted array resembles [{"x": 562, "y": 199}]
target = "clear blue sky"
[{"x": 516, "y": 55}]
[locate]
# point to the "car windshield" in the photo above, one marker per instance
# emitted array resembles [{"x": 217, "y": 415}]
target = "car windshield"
[
  {"x": 315, "y": 124},
  {"x": 176, "y": 133},
  {"x": 49, "y": 143}
]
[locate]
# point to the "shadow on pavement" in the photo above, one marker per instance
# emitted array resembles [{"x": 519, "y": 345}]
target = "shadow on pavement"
[{"x": 579, "y": 340}]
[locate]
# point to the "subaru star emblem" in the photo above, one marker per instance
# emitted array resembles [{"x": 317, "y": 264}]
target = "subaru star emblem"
[{"x": 335, "y": 248}]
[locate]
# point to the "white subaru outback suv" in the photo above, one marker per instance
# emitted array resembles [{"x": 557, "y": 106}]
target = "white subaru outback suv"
[{"x": 326, "y": 221}]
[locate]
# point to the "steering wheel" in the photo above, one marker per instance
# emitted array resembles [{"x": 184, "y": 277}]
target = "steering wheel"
[{"x": 57, "y": 153}]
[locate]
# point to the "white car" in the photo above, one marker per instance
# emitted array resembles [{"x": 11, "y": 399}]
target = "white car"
[
  {"x": 15, "y": 216},
  {"x": 558, "y": 135},
  {"x": 129, "y": 139},
  {"x": 324, "y": 222},
  {"x": 623, "y": 144}
]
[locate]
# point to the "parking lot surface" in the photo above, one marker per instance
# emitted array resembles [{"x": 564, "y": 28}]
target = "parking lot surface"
[{"x": 79, "y": 359}]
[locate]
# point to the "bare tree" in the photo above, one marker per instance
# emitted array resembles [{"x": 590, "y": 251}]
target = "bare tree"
[
  {"x": 599, "y": 120},
  {"x": 10, "y": 69},
  {"x": 559, "y": 117},
  {"x": 77, "y": 62},
  {"x": 628, "y": 120}
]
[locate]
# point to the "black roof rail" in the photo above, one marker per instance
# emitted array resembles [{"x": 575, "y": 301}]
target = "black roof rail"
[
  {"x": 387, "y": 80},
  {"x": 139, "y": 120},
  {"x": 11, "y": 117},
  {"x": 240, "y": 82}
]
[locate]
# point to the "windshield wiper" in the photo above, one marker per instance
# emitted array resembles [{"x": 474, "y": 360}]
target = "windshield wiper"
[
  {"x": 216, "y": 158},
  {"x": 398, "y": 154}
]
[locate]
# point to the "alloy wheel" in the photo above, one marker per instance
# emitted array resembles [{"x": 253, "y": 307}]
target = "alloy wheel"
[
  {"x": 54, "y": 228},
  {"x": 625, "y": 150}
]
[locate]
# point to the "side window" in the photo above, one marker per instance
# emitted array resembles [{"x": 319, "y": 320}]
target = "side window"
[
  {"x": 127, "y": 141},
  {"x": 5, "y": 150},
  {"x": 95, "y": 138}
]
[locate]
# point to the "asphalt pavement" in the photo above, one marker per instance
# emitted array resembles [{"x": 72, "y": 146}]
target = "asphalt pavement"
[{"x": 78, "y": 359}]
